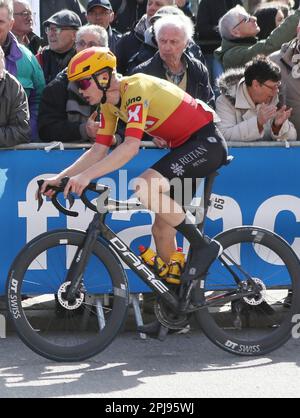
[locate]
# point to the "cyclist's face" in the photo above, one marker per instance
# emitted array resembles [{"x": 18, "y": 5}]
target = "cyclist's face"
[
  {"x": 91, "y": 94},
  {"x": 171, "y": 44}
]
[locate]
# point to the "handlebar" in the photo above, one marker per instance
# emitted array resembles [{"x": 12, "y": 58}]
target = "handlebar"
[{"x": 99, "y": 189}]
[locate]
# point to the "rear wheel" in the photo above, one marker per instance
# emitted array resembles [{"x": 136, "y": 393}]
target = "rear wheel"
[
  {"x": 258, "y": 324},
  {"x": 36, "y": 291}
]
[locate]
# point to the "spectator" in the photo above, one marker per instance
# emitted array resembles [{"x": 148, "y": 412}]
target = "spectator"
[
  {"x": 48, "y": 8},
  {"x": 208, "y": 16},
  {"x": 64, "y": 114},
  {"x": 149, "y": 47},
  {"x": 127, "y": 13},
  {"x": 171, "y": 63},
  {"x": 22, "y": 64},
  {"x": 238, "y": 30},
  {"x": 22, "y": 28},
  {"x": 61, "y": 32},
  {"x": 14, "y": 112},
  {"x": 269, "y": 17},
  {"x": 288, "y": 59},
  {"x": 131, "y": 42},
  {"x": 248, "y": 104},
  {"x": 100, "y": 12}
]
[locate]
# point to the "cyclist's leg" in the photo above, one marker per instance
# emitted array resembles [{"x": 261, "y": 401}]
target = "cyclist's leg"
[
  {"x": 203, "y": 154},
  {"x": 164, "y": 237}
]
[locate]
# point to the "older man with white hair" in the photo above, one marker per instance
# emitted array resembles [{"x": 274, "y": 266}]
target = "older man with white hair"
[
  {"x": 23, "y": 26},
  {"x": 173, "y": 35},
  {"x": 239, "y": 45}
]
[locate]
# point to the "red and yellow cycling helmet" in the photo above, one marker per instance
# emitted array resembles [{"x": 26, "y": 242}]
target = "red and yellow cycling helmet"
[{"x": 89, "y": 62}]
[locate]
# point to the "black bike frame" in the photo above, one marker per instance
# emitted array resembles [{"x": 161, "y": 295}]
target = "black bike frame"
[{"x": 98, "y": 229}]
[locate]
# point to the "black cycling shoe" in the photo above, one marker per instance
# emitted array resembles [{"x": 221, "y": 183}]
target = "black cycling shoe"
[
  {"x": 150, "y": 329},
  {"x": 155, "y": 330},
  {"x": 200, "y": 260}
]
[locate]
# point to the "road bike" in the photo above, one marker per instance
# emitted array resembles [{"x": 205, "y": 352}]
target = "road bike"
[{"x": 68, "y": 293}]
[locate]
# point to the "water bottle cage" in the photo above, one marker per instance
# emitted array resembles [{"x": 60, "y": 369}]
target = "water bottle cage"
[
  {"x": 158, "y": 269},
  {"x": 178, "y": 266}
]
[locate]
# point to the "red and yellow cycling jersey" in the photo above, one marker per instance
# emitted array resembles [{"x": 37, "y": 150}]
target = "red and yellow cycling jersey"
[{"x": 157, "y": 107}]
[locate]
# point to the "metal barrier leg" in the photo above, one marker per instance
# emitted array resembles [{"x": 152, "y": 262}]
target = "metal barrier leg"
[
  {"x": 100, "y": 313},
  {"x": 2, "y": 326},
  {"x": 134, "y": 300}
]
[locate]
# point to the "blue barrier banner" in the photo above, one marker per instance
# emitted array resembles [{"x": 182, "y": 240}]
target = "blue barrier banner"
[{"x": 258, "y": 188}]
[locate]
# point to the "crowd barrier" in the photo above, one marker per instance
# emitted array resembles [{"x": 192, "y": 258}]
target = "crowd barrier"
[{"x": 260, "y": 187}]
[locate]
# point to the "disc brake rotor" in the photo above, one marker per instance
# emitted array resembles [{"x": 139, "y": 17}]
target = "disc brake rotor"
[
  {"x": 69, "y": 305},
  {"x": 258, "y": 299}
]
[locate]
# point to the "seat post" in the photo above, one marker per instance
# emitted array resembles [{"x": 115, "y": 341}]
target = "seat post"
[{"x": 205, "y": 202}]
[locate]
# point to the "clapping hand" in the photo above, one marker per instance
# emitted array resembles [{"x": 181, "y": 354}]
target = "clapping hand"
[{"x": 282, "y": 114}]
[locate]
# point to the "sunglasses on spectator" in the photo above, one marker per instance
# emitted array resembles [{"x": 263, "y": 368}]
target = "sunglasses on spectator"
[
  {"x": 55, "y": 29},
  {"x": 83, "y": 44},
  {"x": 24, "y": 14},
  {"x": 246, "y": 19}
]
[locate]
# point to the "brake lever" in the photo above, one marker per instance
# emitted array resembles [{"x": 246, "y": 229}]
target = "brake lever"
[{"x": 39, "y": 195}]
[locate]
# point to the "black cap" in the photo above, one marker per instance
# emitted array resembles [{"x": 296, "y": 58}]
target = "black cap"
[
  {"x": 64, "y": 18},
  {"x": 102, "y": 3}
]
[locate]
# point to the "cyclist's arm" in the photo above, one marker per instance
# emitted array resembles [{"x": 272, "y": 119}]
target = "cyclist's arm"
[
  {"x": 115, "y": 160},
  {"x": 95, "y": 154}
]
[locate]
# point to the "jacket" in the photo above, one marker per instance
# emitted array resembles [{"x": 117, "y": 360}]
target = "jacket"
[
  {"x": 53, "y": 63},
  {"x": 63, "y": 112},
  {"x": 14, "y": 112},
  {"x": 288, "y": 59},
  {"x": 198, "y": 85},
  {"x": 21, "y": 63},
  {"x": 127, "y": 13},
  {"x": 238, "y": 113},
  {"x": 238, "y": 52},
  {"x": 113, "y": 38},
  {"x": 127, "y": 47}
]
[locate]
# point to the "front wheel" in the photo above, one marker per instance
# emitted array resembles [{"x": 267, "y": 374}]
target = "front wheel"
[
  {"x": 49, "y": 324},
  {"x": 255, "y": 325}
]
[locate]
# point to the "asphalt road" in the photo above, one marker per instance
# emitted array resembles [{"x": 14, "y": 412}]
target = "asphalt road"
[{"x": 184, "y": 366}]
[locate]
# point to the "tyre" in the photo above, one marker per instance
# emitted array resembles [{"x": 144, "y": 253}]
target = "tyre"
[
  {"x": 260, "y": 324},
  {"x": 46, "y": 322}
]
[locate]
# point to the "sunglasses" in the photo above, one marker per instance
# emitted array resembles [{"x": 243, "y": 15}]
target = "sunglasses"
[
  {"x": 245, "y": 20},
  {"x": 85, "y": 83}
]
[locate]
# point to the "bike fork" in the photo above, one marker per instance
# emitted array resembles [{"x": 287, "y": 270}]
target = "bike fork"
[{"x": 80, "y": 260}]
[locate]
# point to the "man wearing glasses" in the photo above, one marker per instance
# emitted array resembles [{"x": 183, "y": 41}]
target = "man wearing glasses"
[
  {"x": 61, "y": 31},
  {"x": 23, "y": 26},
  {"x": 249, "y": 105},
  {"x": 239, "y": 45}
]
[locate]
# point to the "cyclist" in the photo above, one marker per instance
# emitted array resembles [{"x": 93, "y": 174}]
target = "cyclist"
[{"x": 163, "y": 110}]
